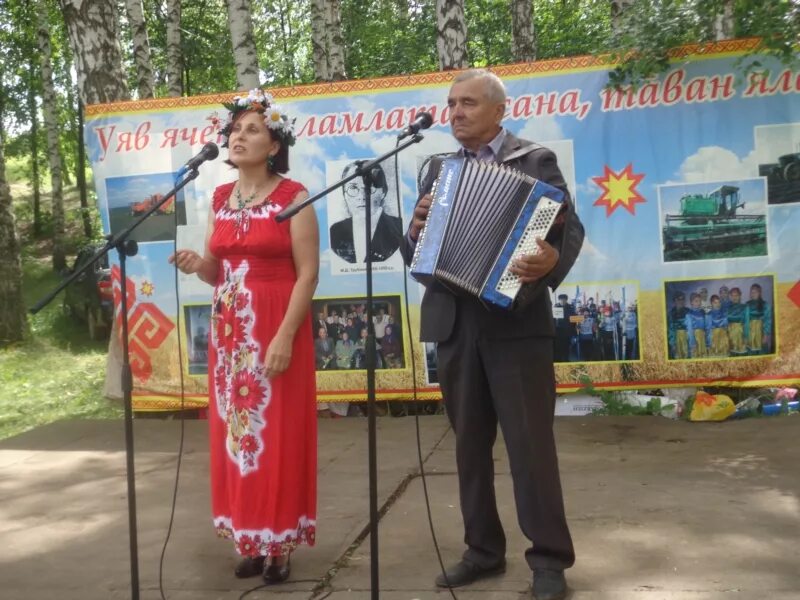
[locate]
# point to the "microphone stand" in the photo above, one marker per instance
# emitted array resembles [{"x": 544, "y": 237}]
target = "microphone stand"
[
  {"x": 125, "y": 247},
  {"x": 366, "y": 174}
]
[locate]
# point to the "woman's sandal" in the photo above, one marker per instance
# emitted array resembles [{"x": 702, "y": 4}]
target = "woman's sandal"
[
  {"x": 277, "y": 573},
  {"x": 250, "y": 566}
]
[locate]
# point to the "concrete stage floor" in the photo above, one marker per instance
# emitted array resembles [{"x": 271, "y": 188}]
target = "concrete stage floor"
[{"x": 659, "y": 510}]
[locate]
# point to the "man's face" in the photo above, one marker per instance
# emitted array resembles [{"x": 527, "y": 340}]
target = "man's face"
[
  {"x": 474, "y": 119},
  {"x": 680, "y": 301},
  {"x": 736, "y": 297}
]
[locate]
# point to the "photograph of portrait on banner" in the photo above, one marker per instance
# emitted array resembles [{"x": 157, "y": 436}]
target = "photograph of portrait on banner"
[
  {"x": 778, "y": 151},
  {"x": 713, "y": 220},
  {"x": 596, "y": 321},
  {"x": 340, "y": 333},
  {"x": 130, "y": 197},
  {"x": 196, "y": 320},
  {"x": 346, "y": 219},
  {"x": 722, "y": 317}
]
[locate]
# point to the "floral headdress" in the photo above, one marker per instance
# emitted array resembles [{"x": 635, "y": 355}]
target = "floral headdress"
[{"x": 275, "y": 117}]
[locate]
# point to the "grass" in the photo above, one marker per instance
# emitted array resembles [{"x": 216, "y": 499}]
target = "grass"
[{"x": 57, "y": 372}]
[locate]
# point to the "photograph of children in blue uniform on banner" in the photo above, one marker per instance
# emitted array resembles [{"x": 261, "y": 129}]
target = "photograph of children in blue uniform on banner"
[{"x": 720, "y": 318}]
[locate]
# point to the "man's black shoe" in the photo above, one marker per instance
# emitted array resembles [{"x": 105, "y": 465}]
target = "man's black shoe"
[
  {"x": 549, "y": 584},
  {"x": 465, "y": 572}
]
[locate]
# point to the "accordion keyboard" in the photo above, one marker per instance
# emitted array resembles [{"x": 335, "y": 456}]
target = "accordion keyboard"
[{"x": 540, "y": 222}]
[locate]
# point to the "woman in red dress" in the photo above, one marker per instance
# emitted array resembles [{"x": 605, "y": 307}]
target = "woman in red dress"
[{"x": 262, "y": 412}]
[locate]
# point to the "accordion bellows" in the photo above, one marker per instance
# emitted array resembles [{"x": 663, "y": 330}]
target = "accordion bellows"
[{"x": 483, "y": 215}]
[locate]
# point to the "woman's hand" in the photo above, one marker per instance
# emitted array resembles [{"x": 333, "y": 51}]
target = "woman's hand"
[
  {"x": 279, "y": 354},
  {"x": 187, "y": 261}
]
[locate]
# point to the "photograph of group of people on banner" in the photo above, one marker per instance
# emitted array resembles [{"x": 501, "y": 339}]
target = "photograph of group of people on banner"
[
  {"x": 596, "y": 322},
  {"x": 720, "y": 318},
  {"x": 340, "y": 333}
]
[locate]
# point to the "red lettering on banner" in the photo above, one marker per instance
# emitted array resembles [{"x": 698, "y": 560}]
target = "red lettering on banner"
[
  {"x": 413, "y": 112},
  {"x": 395, "y": 119},
  {"x": 170, "y": 137},
  {"x": 673, "y": 87},
  {"x": 104, "y": 140},
  {"x": 616, "y": 99},
  {"x": 522, "y": 108},
  {"x": 142, "y": 138},
  {"x": 376, "y": 124},
  {"x": 785, "y": 83},
  {"x": 124, "y": 142},
  {"x": 570, "y": 103},
  {"x": 444, "y": 118},
  {"x": 722, "y": 87},
  {"x": 696, "y": 90},
  {"x": 188, "y": 135},
  {"x": 327, "y": 125},
  {"x": 205, "y": 134},
  {"x": 309, "y": 128},
  {"x": 550, "y": 99},
  {"x": 351, "y": 125}
]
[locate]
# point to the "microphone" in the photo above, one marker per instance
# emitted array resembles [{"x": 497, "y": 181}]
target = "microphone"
[
  {"x": 209, "y": 152},
  {"x": 423, "y": 121}
]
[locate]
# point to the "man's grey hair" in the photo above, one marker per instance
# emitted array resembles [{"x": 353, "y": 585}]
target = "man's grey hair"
[{"x": 494, "y": 88}]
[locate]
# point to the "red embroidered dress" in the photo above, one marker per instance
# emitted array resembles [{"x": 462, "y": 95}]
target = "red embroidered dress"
[{"x": 263, "y": 433}]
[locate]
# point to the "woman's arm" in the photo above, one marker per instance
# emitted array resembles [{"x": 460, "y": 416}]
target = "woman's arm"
[
  {"x": 305, "y": 252},
  {"x": 189, "y": 261}
]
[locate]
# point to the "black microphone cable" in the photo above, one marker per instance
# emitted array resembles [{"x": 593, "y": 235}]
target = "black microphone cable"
[
  {"x": 414, "y": 383},
  {"x": 178, "y": 325}
]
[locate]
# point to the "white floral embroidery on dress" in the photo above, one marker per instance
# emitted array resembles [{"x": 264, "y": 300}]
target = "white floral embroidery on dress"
[{"x": 242, "y": 388}]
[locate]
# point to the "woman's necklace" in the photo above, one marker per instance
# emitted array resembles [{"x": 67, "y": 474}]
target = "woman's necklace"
[
  {"x": 241, "y": 203},
  {"x": 243, "y": 216}
]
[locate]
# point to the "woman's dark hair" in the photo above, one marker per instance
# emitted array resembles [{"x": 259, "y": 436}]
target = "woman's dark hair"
[
  {"x": 280, "y": 164},
  {"x": 760, "y": 301}
]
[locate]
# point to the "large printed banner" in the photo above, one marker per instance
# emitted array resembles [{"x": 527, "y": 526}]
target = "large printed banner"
[{"x": 689, "y": 188}]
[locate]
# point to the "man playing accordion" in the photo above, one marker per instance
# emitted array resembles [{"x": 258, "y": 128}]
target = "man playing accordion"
[{"x": 496, "y": 365}]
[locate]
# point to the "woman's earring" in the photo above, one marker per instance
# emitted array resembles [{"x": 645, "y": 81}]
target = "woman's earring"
[{"x": 271, "y": 163}]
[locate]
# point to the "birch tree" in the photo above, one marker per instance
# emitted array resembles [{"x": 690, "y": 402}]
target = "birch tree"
[
  {"x": 724, "y": 22},
  {"x": 49, "y": 106},
  {"x": 245, "y": 56},
  {"x": 523, "y": 40},
  {"x": 12, "y": 313},
  {"x": 145, "y": 85},
  {"x": 33, "y": 115},
  {"x": 451, "y": 34},
  {"x": 95, "y": 48},
  {"x": 174, "y": 52},
  {"x": 334, "y": 39},
  {"x": 618, "y": 8},
  {"x": 327, "y": 40},
  {"x": 319, "y": 42}
]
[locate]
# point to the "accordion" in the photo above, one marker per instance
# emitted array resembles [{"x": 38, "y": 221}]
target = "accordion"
[{"x": 482, "y": 217}]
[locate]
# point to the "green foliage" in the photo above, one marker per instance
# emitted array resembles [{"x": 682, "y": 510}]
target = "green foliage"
[
  {"x": 570, "y": 27},
  {"x": 647, "y": 30},
  {"x": 57, "y": 372},
  {"x": 388, "y": 37},
  {"x": 615, "y": 405},
  {"x": 488, "y": 32}
]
